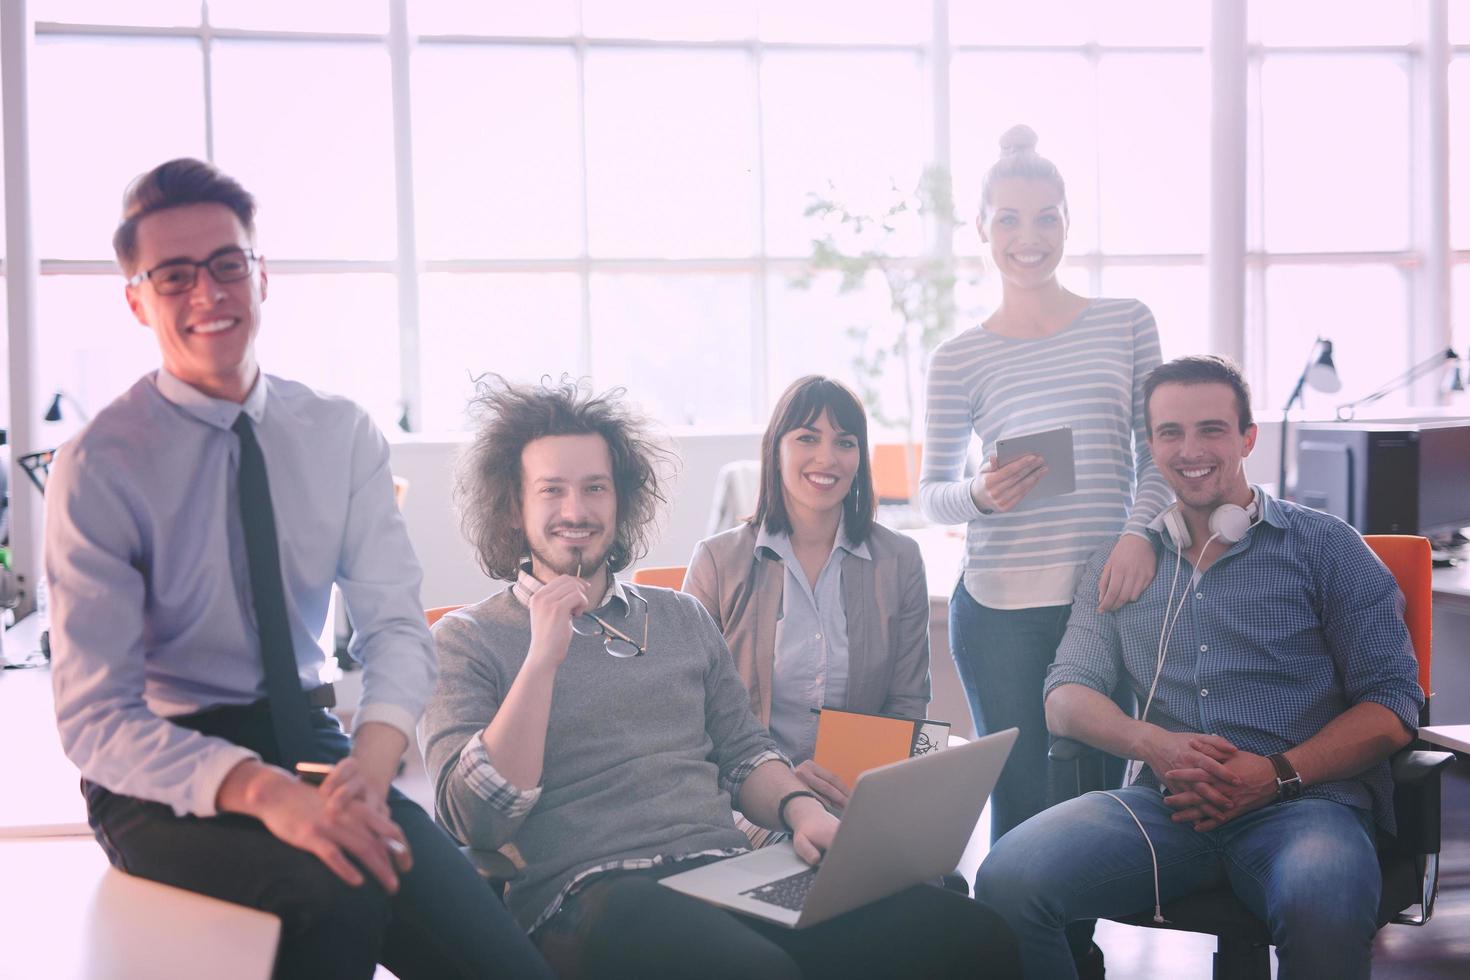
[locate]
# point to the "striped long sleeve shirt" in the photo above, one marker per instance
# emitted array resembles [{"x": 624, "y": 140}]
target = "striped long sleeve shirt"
[{"x": 1089, "y": 376}]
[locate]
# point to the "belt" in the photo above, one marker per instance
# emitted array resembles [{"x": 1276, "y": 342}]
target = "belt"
[{"x": 322, "y": 697}]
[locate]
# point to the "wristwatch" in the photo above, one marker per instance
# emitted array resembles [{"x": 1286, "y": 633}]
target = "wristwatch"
[{"x": 1288, "y": 780}]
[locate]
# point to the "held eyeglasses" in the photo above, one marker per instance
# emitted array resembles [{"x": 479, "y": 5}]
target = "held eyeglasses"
[
  {"x": 614, "y": 641},
  {"x": 178, "y": 276}
]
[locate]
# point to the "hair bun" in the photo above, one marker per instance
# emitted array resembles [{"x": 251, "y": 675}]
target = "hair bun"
[{"x": 1018, "y": 139}]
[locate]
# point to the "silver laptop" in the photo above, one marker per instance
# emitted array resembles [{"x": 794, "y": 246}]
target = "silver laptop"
[{"x": 906, "y": 823}]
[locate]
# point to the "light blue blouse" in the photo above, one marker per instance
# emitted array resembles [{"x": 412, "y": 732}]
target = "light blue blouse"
[{"x": 811, "y": 665}]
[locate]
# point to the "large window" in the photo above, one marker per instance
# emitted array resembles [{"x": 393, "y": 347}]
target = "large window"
[
  {"x": 1329, "y": 180},
  {"x": 616, "y": 188},
  {"x": 1459, "y": 168},
  {"x": 1119, "y": 103}
]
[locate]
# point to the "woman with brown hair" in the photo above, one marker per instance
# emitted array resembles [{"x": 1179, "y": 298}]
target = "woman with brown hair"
[{"x": 820, "y": 605}]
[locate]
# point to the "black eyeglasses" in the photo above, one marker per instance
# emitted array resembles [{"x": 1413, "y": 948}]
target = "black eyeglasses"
[
  {"x": 179, "y": 276},
  {"x": 614, "y": 641}
]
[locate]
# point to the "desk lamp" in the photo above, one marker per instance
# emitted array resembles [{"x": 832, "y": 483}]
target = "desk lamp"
[
  {"x": 1453, "y": 382},
  {"x": 53, "y": 411},
  {"x": 1321, "y": 374}
]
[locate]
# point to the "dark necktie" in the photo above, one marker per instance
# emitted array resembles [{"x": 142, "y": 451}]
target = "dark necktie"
[{"x": 290, "y": 714}]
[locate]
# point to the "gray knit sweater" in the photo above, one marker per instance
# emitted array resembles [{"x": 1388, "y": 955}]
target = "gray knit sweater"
[{"x": 642, "y": 755}]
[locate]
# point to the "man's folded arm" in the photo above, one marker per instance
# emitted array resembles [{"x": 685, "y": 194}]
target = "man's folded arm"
[
  {"x": 98, "y": 594},
  {"x": 474, "y": 800},
  {"x": 1363, "y": 620},
  {"x": 1087, "y": 666}
]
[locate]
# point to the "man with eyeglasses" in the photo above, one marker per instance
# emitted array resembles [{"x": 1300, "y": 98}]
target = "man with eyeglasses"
[
  {"x": 601, "y": 727},
  {"x": 193, "y": 532}
]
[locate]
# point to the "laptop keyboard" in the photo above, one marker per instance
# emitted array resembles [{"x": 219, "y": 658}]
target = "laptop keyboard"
[{"x": 788, "y": 893}]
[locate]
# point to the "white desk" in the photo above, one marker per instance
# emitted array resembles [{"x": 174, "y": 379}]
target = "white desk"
[
  {"x": 70, "y": 916},
  {"x": 1454, "y": 737},
  {"x": 1452, "y": 586},
  {"x": 41, "y": 796}
]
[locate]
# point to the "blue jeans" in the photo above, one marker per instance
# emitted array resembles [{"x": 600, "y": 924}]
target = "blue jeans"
[{"x": 1308, "y": 868}]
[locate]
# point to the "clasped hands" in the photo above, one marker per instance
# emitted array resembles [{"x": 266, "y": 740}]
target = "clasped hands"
[
  {"x": 347, "y": 816},
  {"x": 1209, "y": 781}
]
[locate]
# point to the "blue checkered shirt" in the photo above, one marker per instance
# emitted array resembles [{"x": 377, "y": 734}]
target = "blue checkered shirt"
[{"x": 1293, "y": 625}]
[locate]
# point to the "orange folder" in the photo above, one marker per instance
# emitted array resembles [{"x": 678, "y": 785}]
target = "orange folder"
[{"x": 850, "y": 743}]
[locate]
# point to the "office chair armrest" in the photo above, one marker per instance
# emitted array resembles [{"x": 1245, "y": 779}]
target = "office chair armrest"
[
  {"x": 1068, "y": 749},
  {"x": 1416, "y": 765},
  {"x": 1074, "y": 768},
  {"x": 1416, "y": 798}
]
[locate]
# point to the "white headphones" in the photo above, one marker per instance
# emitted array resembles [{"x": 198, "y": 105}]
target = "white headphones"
[{"x": 1228, "y": 523}]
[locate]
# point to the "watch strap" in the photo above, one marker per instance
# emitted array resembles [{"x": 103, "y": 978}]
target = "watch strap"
[
  {"x": 1288, "y": 780},
  {"x": 781, "y": 807}
]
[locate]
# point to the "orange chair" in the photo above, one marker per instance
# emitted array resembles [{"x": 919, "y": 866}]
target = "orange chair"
[
  {"x": 1407, "y": 557},
  {"x": 891, "y": 472},
  {"x": 665, "y": 576},
  {"x": 437, "y": 613}
]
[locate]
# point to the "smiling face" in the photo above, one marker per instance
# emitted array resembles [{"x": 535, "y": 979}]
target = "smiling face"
[
  {"x": 569, "y": 506},
  {"x": 1197, "y": 444},
  {"x": 1026, "y": 228},
  {"x": 206, "y": 334},
  {"x": 818, "y": 462}
]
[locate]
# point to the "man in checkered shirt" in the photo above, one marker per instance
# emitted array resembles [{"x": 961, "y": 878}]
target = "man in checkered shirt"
[
  {"x": 602, "y": 728},
  {"x": 1282, "y": 679}
]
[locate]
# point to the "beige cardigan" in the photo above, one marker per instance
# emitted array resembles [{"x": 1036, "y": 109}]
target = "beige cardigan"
[{"x": 885, "y": 598}]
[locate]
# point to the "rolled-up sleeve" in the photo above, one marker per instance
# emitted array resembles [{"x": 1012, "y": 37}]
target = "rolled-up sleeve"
[
  {"x": 380, "y": 577},
  {"x": 94, "y": 567},
  {"x": 486, "y": 782},
  {"x": 473, "y": 800},
  {"x": 1363, "y": 620},
  {"x": 1090, "y": 653}
]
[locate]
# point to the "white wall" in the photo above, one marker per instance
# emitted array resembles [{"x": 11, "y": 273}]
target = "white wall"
[{"x": 450, "y": 572}]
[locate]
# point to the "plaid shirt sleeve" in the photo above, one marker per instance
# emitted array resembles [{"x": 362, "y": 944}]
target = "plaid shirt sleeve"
[
  {"x": 733, "y": 778},
  {"x": 1363, "y": 619},
  {"x": 486, "y": 782},
  {"x": 1090, "y": 653}
]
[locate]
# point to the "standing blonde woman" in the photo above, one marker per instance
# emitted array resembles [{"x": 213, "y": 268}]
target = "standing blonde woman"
[{"x": 1045, "y": 358}]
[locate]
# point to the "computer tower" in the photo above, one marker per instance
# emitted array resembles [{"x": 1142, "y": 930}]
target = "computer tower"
[{"x": 1387, "y": 477}]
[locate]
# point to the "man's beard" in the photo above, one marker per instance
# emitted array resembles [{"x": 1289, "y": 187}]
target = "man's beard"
[{"x": 582, "y": 561}]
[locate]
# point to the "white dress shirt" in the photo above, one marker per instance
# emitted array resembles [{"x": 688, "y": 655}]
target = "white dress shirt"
[{"x": 151, "y": 611}]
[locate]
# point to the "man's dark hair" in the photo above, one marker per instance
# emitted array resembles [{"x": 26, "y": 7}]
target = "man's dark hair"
[
  {"x": 1199, "y": 369},
  {"x": 173, "y": 184},
  {"x": 801, "y": 405},
  {"x": 508, "y": 416}
]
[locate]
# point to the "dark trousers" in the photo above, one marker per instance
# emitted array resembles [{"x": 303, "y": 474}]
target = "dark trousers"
[
  {"x": 627, "y": 925},
  {"x": 1002, "y": 656},
  {"x": 444, "y": 921}
]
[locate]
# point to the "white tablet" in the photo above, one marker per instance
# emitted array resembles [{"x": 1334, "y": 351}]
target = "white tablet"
[{"x": 1055, "y": 447}]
